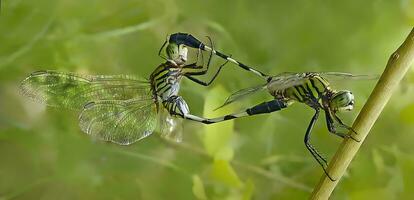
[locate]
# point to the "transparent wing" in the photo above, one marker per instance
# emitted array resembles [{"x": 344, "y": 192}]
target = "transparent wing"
[
  {"x": 287, "y": 80},
  {"x": 278, "y": 82},
  {"x": 73, "y": 91},
  {"x": 171, "y": 128},
  {"x": 290, "y": 79},
  {"x": 241, "y": 94},
  {"x": 346, "y": 76},
  {"x": 121, "y": 122}
]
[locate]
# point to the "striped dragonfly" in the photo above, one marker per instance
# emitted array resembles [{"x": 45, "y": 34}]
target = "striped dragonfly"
[
  {"x": 119, "y": 108},
  {"x": 310, "y": 88}
]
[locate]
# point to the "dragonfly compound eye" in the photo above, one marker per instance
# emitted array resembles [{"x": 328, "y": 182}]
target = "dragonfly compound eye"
[
  {"x": 172, "y": 51},
  {"x": 343, "y": 100}
]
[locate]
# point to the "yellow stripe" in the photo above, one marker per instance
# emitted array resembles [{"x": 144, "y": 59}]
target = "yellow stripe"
[
  {"x": 299, "y": 93},
  {"x": 312, "y": 89},
  {"x": 321, "y": 83}
]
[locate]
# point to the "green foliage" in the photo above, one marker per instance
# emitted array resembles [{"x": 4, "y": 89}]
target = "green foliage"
[
  {"x": 44, "y": 155},
  {"x": 198, "y": 188},
  {"x": 218, "y": 137}
]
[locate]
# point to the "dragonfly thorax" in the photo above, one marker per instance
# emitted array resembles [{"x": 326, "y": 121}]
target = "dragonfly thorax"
[{"x": 165, "y": 81}]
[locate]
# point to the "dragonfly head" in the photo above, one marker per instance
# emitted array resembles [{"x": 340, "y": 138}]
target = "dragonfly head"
[
  {"x": 342, "y": 100},
  {"x": 177, "y": 53}
]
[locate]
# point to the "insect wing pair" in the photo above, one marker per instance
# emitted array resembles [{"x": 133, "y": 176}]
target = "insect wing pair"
[{"x": 117, "y": 108}]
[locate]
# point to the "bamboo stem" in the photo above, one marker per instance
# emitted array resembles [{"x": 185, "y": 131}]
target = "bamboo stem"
[{"x": 397, "y": 66}]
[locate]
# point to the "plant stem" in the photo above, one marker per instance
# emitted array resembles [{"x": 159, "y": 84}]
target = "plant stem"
[{"x": 397, "y": 66}]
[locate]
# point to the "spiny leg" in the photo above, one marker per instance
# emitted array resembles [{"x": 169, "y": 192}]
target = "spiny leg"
[
  {"x": 346, "y": 127},
  {"x": 190, "y": 75},
  {"x": 322, "y": 161},
  {"x": 191, "y": 41},
  {"x": 211, "y": 53},
  {"x": 309, "y": 146},
  {"x": 196, "y": 66},
  {"x": 160, "y": 51},
  {"x": 331, "y": 126}
]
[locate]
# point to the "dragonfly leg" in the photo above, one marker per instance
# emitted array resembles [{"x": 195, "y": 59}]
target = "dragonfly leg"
[
  {"x": 211, "y": 53},
  {"x": 192, "y": 78},
  {"x": 190, "y": 75},
  {"x": 331, "y": 126},
  {"x": 160, "y": 51},
  {"x": 196, "y": 66},
  {"x": 346, "y": 127},
  {"x": 316, "y": 155}
]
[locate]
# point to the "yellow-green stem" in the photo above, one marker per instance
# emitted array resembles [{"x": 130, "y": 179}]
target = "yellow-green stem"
[{"x": 397, "y": 66}]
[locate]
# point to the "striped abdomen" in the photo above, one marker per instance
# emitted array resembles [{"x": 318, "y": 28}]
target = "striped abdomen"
[{"x": 312, "y": 89}]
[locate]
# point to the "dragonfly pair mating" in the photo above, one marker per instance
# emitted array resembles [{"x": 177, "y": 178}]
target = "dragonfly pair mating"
[{"x": 124, "y": 109}]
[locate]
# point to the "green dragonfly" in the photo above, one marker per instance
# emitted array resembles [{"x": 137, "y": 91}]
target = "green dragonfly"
[
  {"x": 311, "y": 88},
  {"x": 121, "y": 108}
]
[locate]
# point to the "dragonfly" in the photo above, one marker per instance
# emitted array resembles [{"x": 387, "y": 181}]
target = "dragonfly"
[
  {"x": 310, "y": 88},
  {"x": 123, "y": 109}
]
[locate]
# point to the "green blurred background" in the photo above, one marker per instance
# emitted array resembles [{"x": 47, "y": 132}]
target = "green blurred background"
[{"x": 44, "y": 155}]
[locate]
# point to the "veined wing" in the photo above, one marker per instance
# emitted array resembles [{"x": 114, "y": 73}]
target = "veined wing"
[
  {"x": 70, "y": 90},
  {"x": 287, "y": 80},
  {"x": 346, "y": 76},
  {"x": 118, "y": 121},
  {"x": 290, "y": 79},
  {"x": 241, "y": 94},
  {"x": 277, "y": 82}
]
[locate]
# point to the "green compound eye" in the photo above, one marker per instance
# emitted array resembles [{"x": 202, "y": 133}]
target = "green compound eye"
[
  {"x": 172, "y": 51},
  {"x": 343, "y": 100}
]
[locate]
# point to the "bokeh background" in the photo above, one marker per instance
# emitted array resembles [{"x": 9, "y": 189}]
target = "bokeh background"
[{"x": 44, "y": 155}]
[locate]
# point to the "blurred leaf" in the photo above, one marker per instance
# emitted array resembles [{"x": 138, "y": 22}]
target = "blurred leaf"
[
  {"x": 406, "y": 163},
  {"x": 198, "y": 188},
  {"x": 248, "y": 190},
  {"x": 124, "y": 30},
  {"x": 224, "y": 173},
  {"x": 396, "y": 183},
  {"x": 378, "y": 160},
  {"x": 374, "y": 193},
  {"x": 407, "y": 114},
  {"x": 408, "y": 8},
  {"x": 217, "y": 137}
]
